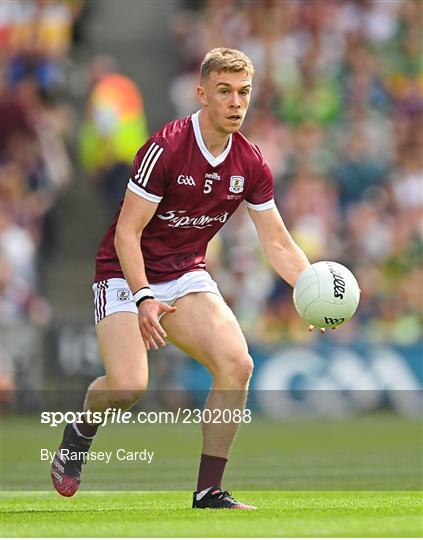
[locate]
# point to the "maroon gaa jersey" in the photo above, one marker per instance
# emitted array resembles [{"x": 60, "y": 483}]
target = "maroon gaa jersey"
[{"x": 196, "y": 194}]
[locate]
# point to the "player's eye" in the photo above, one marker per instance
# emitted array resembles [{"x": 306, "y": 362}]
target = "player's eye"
[{"x": 224, "y": 91}]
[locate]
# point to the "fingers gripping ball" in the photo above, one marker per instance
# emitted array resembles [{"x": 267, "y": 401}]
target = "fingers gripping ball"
[{"x": 326, "y": 294}]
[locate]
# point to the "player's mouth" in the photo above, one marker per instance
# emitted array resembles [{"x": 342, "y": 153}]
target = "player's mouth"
[{"x": 235, "y": 117}]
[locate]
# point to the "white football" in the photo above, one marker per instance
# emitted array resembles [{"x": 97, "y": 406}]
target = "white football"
[{"x": 326, "y": 294}]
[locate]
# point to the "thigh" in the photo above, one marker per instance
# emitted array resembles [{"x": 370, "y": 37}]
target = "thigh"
[
  {"x": 204, "y": 327},
  {"x": 121, "y": 347}
]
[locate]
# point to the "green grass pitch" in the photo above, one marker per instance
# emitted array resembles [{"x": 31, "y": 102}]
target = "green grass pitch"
[
  {"x": 155, "y": 514},
  {"x": 358, "y": 477}
]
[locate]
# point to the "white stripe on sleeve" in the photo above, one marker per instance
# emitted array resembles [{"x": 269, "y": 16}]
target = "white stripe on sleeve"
[
  {"x": 142, "y": 193},
  {"x": 263, "y": 206},
  {"x": 144, "y": 160},
  {"x": 150, "y": 157},
  {"x": 156, "y": 157}
]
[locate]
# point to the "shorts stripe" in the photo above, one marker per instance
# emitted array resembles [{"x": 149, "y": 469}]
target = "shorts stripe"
[
  {"x": 100, "y": 304},
  {"x": 104, "y": 301},
  {"x": 100, "y": 297},
  {"x": 97, "y": 301},
  {"x": 96, "y": 306}
]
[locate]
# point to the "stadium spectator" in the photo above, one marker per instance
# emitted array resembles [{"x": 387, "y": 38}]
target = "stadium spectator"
[
  {"x": 36, "y": 36},
  {"x": 113, "y": 129}
]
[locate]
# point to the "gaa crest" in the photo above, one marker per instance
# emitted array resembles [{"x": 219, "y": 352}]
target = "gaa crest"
[{"x": 236, "y": 184}]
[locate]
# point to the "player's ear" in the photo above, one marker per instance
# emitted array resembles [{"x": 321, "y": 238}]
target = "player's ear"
[{"x": 201, "y": 94}]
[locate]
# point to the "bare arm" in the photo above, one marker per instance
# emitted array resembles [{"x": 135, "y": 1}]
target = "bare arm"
[
  {"x": 135, "y": 215},
  {"x": 285, "y": 256}
]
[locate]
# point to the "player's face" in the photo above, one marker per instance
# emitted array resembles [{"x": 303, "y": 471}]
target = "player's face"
[{"x": 226, "y": 97}]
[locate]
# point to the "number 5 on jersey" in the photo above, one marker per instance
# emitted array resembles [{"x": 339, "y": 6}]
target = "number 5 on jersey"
[{"x": 207, "y": 185}]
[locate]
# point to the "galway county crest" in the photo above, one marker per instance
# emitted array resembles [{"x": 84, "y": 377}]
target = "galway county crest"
[
  {"x": 237, "y": 184},
  {"x": 123, "y": 294}
]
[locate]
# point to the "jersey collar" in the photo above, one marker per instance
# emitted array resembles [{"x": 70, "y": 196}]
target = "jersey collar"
[{"x": 214, "y": 161}]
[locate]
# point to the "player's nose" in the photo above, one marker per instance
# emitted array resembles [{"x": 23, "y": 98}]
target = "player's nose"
[{"x": 235, "y": 100}]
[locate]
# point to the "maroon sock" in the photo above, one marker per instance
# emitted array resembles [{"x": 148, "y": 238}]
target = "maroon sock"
[
  {"x": 211, "y": 471},
  {"x": 86, "y": 429}
]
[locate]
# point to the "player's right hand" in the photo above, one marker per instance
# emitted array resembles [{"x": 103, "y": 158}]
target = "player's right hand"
[{"x": 149, "y": 312}]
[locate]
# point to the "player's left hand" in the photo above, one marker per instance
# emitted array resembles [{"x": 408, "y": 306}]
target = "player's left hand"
[
  {"x": 322, "y": 330},
  {"x": 149, "y": 312}
]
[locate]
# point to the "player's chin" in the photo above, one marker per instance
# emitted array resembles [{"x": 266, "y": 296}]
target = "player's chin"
[{"x": 233, "y": 126}]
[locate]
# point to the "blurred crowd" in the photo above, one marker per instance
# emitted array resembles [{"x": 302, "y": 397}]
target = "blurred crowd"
[
  {"x": 36, "y": 125},
  {"x": 338, "y": 113},
  {"x": 35, "y": 164}
]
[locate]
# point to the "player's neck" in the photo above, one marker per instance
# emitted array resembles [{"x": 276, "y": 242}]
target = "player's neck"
[{"x": 215, "y": 142}]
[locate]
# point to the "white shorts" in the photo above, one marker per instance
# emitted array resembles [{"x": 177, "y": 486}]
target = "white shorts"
[{"x": 113, "y": 295}]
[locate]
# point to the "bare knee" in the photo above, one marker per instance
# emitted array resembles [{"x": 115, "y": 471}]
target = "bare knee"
[
  {"x": 126, "y": 392},
  {"x": 234, "y": 371}
]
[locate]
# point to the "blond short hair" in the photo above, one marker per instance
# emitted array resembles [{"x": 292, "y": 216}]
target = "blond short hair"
[{"x": 223, "y": 59}]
